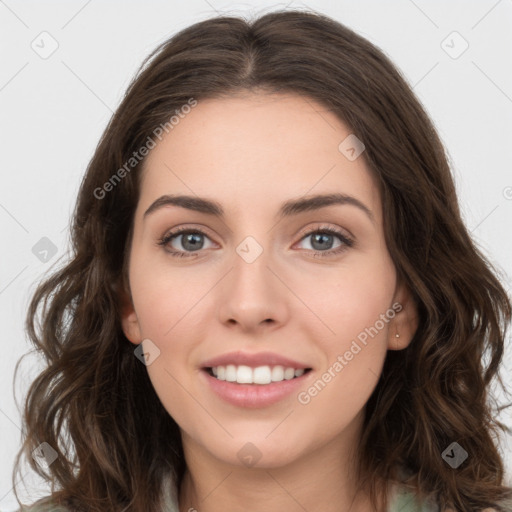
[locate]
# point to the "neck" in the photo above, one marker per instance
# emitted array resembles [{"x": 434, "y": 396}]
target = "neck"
[{"x": 321, "y": 480}]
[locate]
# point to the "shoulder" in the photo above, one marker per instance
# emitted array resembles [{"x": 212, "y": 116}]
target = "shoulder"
[
  {"x": 405, "y": 500},
  {"x": 45, "y": 504}
]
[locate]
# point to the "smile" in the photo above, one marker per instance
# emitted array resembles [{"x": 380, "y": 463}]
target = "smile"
[
  {"x": 261, "y": 375},
  {"x": 253, "y": 395}
]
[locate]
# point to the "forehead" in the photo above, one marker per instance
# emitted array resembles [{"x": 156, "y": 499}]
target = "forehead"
[{"x": 253, "y": 146}]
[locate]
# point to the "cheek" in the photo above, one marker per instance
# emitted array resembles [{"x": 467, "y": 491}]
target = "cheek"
[
  {"x": 168, "y": 305},
  {"x": 359, "y": 314},
  {"x": 164, "y": 297},
  {"x": 349, "y": 298},
  {"x": 354, "y": 309}
]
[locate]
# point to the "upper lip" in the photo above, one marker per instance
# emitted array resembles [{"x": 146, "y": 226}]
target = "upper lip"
[{"x": 253, "y": 360}]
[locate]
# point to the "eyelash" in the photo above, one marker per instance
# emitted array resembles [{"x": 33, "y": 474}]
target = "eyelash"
[{"x": 346, "y": 241}]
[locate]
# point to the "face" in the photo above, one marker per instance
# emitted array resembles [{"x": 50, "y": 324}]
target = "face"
[{"x": 315, "y": 285}]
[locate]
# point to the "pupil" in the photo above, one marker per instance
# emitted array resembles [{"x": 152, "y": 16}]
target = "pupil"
[
  {"x": 189, "y": 238},
  {"x": 321, "y": 236}
]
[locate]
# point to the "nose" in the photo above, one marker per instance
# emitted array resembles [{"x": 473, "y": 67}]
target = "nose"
[{"x": 253, "y": 295}]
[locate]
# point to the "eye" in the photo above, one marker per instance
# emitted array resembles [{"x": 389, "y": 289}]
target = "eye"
[
  {"x": 191, "y": 240},
  {"x": 322, "y": 240}
]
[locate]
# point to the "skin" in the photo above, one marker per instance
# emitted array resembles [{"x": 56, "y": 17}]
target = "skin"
[{"x": 251, "y": 153}]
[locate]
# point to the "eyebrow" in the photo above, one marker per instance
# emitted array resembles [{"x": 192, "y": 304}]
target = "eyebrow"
[{"x": 288, "y": 208}]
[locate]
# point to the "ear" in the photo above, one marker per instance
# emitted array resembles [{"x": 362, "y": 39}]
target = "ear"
[
  {"x": 405, "y": 322},
  {"x": 129, "y": 320}
]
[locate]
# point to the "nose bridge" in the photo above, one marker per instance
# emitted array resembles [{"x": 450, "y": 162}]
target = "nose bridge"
[
  {"x": 252, "y": 293},
  {"x": 251, "y": 274}
]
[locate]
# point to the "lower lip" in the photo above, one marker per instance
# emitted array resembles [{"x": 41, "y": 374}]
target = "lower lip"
[{"x": 254, "y": 395}]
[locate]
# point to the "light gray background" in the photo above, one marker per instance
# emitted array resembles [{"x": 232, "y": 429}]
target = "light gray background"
[{"x": 53, "y": 111}]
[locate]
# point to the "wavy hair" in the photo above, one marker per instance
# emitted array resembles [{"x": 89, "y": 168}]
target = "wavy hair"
[{"x": 94, "y": 403}]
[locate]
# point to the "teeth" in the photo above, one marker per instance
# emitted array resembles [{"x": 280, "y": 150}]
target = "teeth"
[
  {"x": 260, "y": 375},
  {"x": 230, "y": 373},
  {"x": 277, "y": 373}
]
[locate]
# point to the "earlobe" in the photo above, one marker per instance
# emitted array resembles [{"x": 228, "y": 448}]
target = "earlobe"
[{"x": 403, "y": 327}]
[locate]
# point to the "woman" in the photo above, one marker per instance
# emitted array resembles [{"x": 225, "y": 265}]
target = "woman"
[{"x": 273, "y": 302}]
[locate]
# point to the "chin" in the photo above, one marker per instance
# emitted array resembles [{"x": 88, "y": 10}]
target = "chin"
[{"x": 254, "y": 451}]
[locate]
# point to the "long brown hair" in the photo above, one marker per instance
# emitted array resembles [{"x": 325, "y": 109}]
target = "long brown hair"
[{"x": 94, "y": 403}]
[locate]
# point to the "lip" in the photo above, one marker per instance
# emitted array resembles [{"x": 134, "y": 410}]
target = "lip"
[
  {"x": 253, "y": 396},
  {"x": 253, "y": 360}
]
